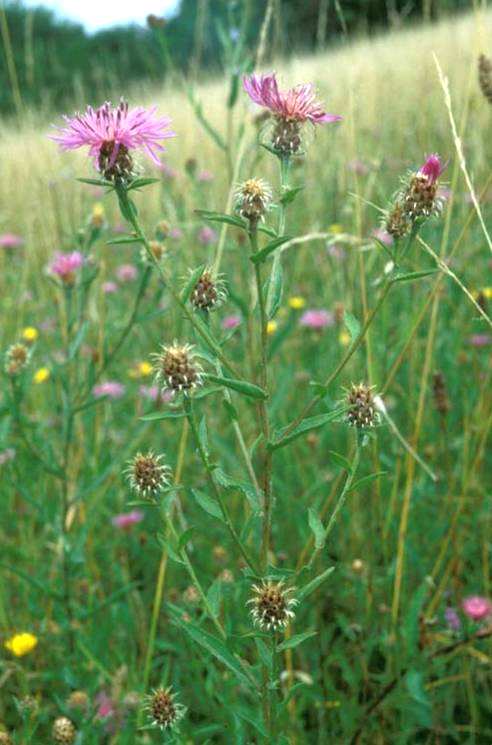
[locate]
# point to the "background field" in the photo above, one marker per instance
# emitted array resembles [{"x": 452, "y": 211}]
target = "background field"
[{"x": 423, "y": 544}]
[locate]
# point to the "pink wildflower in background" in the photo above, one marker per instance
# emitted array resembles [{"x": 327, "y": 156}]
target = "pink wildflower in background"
[
  {"x": 111, "y": 133},
  {"x": 176, "y": 233},
  {"x": 126, "y": 272},
  {"x": 358, "y": 167},
  {"x": 150, "y": 392},
  {"x": 231, "y": 322},
  {"x": 317, "y": 319},
  {"x": 127, "y": 520},
  {"x": 109, "y": 287},
  {"x": 65, "y": 265},
  {"x": 109, "y": 388},
  {"x": 205, "y": 176},
  {"x": 10, "y": 240},
  {"x": 298, "y": 104},
  {"x": 480, "y": 340},
  {"x": 382, "y": 235},
  {"x": 452, "y": 619},
  {"x": 167, "y": 171},
  {"x": 207, "y": 235},
  {"x": 476, "y": 607}
]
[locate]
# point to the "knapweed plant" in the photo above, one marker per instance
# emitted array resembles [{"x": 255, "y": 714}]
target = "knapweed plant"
[{"x": 206, "y": 461}]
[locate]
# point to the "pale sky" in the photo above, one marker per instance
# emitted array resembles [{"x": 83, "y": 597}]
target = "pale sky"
[{"x": 96, "y": 14}]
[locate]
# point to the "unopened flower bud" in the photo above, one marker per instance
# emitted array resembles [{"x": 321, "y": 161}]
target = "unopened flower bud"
[
  {"x": 163, "y": 709},
  {"x": 176, "y": 368},
  {"x": 361, "y": 411},
  {"x": 271, "y": 605},
  {"x": 16, "y": 359},
  {"x": 253, "y": 199},
  {"x": 64, "y": 731},
  {"x": 209, "y": 292},
  {"x": 147, "y": 475}
]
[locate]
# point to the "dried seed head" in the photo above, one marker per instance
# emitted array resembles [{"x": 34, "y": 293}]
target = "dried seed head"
[
  {"x": 147, "y": 475},
  {"x": 271, "y": 605},
  {"x": 485, "y": 76},
  {"x": 176, "y": 368},
  {"x": 209, "y": 293},
  {"x": 162, "y": 230},
  {"x": 396, "y": 222},
  {"x": 64, "y": 731},
  {"x": 421, "y": 199},
  {"x": 5, "y": 738},
  {"x": 28, "y": 705},
  {"x": 115, "y": 162},
  {"x": 78, "y": 700},
  {"x": 253, "y": 199},
  {"x": 361, "y": 407},
  {"x": 163, "y": 709},
  {"x": 439, "y": 389},
  {"x": 16, "y": 359}
]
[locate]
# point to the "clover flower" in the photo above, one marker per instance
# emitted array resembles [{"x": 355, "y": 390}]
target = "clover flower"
[
  {"x": 112, "y": 133},
  {"x": 291, "y": 109},
  {"x": 477, "y": 607}
]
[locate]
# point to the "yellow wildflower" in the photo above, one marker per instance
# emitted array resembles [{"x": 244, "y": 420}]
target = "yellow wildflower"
[
  {"x": 41, "y": 375},
  {"x": 344, "y": 338},
  {"x": 296, "y": 302},
  {"x": 21, "y": 644},
  {"x": 97, "y": 215},
  {"x": 335, "y": 228},
  {"x": 272, "y": 327},
  {"x": 487, "y": 292},
  {"x": 141, "y": 370},
  {"x": 30, "y": 334}
]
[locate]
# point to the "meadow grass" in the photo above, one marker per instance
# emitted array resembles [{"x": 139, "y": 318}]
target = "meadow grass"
[{"x": 115, "y": 612}]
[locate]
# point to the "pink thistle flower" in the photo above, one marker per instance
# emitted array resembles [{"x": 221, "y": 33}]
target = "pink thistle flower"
[
  {"x": 109, "y": 388},
  {"x": 126, "y": 273},
  {"x": 207, "y": 235},
  {"x": 111, "y": 133},
  {"x": 109, "y": 288},
  {"x": 383, "y": 236},
  {"x": 127, "y": 520},
  {"x": 480, "y": 340},
  {"x": 298, "y": 104},
  {"x": 176, "y": 233},
  {"x": 231, "y": 322},
  {"x": 65, "y": 265},
  {"x": 10, "y": 240},
  {"x": 317, "y": 319},
  {"x": 476, "y": 607},
  {"x": 432, "y": 169}
]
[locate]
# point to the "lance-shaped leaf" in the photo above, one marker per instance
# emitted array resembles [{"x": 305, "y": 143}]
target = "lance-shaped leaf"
[
  {"x": 269, "y": 248},
  {"x": 237, "y": 222},
  {"x": 240, "y": 386},
  {"x": 313, "y": 422}
]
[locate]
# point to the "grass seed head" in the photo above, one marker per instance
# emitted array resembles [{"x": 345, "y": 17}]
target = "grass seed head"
[{"x": 271, "y": 605}]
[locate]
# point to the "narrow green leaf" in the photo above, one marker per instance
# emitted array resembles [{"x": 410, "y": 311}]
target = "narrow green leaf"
[
  {"x": 170, "y": 549},
  {"x": 140, "y": 182},
  {"x": 414, "y": 275},
  {"x": 308, "y": 589},
  {"x": 289, "y": 194},
  {"x": 184, "y": 538},
  {"x": 269, "y": 248},
  {"x": 96, "y": 182},
  {"x": 156, "y": 416},
  {"x": 313, "y": 422},
  {"x": 124, "y": 239},
  {"x": 294, "y": 641},
  {"x": 340, "y": 460},
  {"x": 317, "y": 527},
  {"x": 247, "y": 489},
  {"x": 275, "y": 289},
  {"x": 240, "y": 386},
  {"x": 366, "y": 480},
  {"x": 207, "y": 504},
  {"x": 237, "y": 222}
]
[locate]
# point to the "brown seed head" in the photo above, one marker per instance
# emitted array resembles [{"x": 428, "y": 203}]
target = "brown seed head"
[
  {"x": 78, "y": 700},
  {"x": 64, "y": 731},
  {"x": 397, "y": 223},
  {"x": 209, "y": 292},
  {"x": 176, "y": 368},
  {"x": 16, "y": 359},
  {"x": 147, "y": 475},
  {"x": 421, "y": 197},
  {"x": 5, "y": 738},
  {"x": 271, "y": 605},
  {"x": 286, "y": 136},
  {"x": 361, "y": 408},
  {"x": 485, "y": 76},
  {"x": 439, "y": 389},
  {"x": 164, "y": 711},
  {"x": 122, "y": 167}
]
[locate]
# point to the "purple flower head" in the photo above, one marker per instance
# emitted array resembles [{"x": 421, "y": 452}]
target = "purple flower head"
[
  {"x": 205, "y": 176},
  {"x": 127, "y": 520},
  {"x": 298, "y": 104},
  {"x": 109, "y": 288},
  {"x": 109, "y": 388},
  {"x": 477, "y": 607},
  {"x": 126, "y": 272},
  {"x": 207, "y": 235},
  {"x": 452, "y": 619},
  {"x": 150, "y": 392},
  {"x": 480, "y": 340},
  {"x": 231, "y": 322},
  {"x": 106, "y": 130},
  {"x": 432, "y": 168},
  {"x": 176, "y": 233},
  {"x": 65, "y": 265},
  {"x": 10, "y": 240},
  {"x": 382, "y": 235},
  {"x": 317, "y": 319}
]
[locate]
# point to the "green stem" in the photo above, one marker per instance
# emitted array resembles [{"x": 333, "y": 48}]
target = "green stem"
[{"x": 188, "y": 407}]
